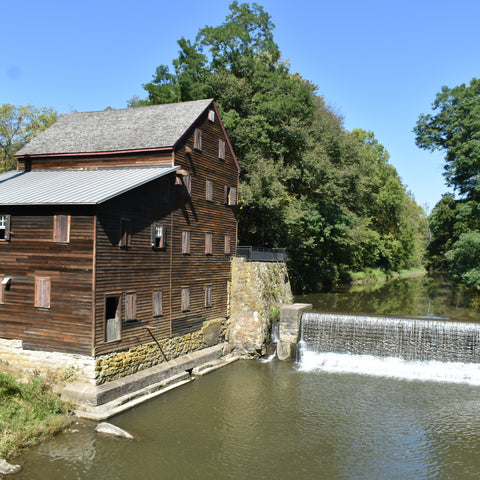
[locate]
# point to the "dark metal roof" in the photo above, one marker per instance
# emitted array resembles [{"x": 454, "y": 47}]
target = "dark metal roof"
[
  {"x": 142, "y": 128},
  {"x": 73, "y": 187}
]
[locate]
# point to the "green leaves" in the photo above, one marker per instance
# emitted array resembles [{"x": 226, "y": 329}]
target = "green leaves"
[
  {"x": 455, "y": 129},
  {"x": 329, "y": 196},
  {"x": 18, "y": 125}
]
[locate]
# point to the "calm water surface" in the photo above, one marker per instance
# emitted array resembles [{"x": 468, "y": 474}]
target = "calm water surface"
[
  {"x": 254, "y": 420},
  {"x": 419, "y": 296}
]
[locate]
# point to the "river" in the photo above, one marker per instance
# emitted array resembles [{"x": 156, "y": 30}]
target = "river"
[{"x": 273, "y": 420}]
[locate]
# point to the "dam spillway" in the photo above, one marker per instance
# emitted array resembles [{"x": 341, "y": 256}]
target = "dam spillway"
[{"x": 412, "y": 348}]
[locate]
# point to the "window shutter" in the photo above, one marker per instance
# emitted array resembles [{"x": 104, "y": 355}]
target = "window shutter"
[
  {"x": 124, "y": 232},
  {"x": 157, "y": 304},
  {"x": 131, "y": 306},
  {"x": 7, "y": 227},
  {"x": 208, "y": 243},
  {"x": 185, "y": 242},
  {"x": 232, "y": 197},
  {"x": 197, "y": 141},
  {"x": 227, "y": 244},
  {"x": 61, "y": 228},
  {"x": 153, "y": 235},
  {"x": 221, "y": 150},
  {"x": 208, "y": 296},
  {"x": 185, "y": 299},
  {"x": 209, "y": 190},
  {"x": 42, "y": 292},
  {"x": 187, "y": 182}
]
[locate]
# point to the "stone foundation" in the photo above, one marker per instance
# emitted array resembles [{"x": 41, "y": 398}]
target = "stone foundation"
[
  {"x": 63, "y": 367},
  {"x": 256, "y": 293},
  {"x": 57, "y": 366},
  {"x": 120, "y": 364}
]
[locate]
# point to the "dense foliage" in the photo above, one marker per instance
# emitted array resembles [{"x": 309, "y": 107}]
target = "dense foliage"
[
  {"x": 29, "y": 412},
  {"x": 455, "y": 222},
  {"x": 328, "y": 195},
  {"x": 18, "y": 125}
]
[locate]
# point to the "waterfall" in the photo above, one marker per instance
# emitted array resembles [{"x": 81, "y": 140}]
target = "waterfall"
[{"x": 389, "y": 346}]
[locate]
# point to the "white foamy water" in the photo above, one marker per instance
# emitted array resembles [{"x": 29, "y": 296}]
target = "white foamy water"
[{"x": 393, "y": 367}]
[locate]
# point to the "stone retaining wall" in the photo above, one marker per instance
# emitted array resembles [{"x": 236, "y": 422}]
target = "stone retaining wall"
[
  {"x": 256, "y": 293},
  {"x": 120, "y": 364},
  {"x": 63, "y": 367},
  {"x": 60, "y": 367}
]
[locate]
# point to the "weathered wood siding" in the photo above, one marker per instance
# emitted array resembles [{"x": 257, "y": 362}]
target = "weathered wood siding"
[
  {"x": 84, "y": 161},
  {"x": 200, "y": 216},
  {"x": 138, "y": 268},
  {"x": 142, "y": 269},
  {"x": 31, "y": 252}
]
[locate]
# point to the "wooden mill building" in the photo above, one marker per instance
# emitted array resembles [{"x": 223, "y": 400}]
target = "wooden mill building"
[{"x": 118, "y": 224}]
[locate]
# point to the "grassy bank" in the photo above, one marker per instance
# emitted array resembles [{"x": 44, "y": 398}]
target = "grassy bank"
[
  {"x": 29, "y": 413},
  {"x": 377, "y": 275}
]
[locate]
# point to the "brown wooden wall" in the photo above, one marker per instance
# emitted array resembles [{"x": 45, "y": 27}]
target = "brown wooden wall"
[
  {"x": 31, "y": 252},
  {"x": 92, "y": 161},
  {"x": 93, "y": 266},
  {"x": 141, "y": 269}
]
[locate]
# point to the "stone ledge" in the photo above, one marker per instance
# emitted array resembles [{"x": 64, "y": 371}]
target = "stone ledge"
[{"x": 144, "y": 383}]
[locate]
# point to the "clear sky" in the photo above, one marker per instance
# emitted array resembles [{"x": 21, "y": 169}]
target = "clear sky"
[{"x": 378, "y": 63}]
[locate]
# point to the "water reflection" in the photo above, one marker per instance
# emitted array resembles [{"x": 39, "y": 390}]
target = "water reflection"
[
  {"x": 270, "y": 420},
  {"x": 419, "y": 296}
]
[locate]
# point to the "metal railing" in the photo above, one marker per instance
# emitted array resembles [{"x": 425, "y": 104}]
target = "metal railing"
[{"x": 262, "y": 254}]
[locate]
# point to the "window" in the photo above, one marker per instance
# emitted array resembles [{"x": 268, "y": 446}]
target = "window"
[
  {"x": 2, "y": 290},
  {"x": 185, "y": 299},
  {"x": 208, "y": 244},
  {"x": 157, "y": 304},
  {"x": 221, "y": 149},
  {"x": 228, "y": 242},
  {"x": 4, "y": 227},
  {"x": 42, "y": 292},
  {"x": 159, "y": 236},
  {"x": 61, "y": 228},
  {"x": 208, "y": 295},
  {"x": 211, "y": 115},
  {"x": 185, "y": 242},
  {"x": 112, "y": 318},
  {"x": 197, "y": 139},
  {"x": 125, "y": 235},
  {"x": 130, "y": 307},
  {"x": 230, "y": 196},
  {"x": 209, "y": 190}
]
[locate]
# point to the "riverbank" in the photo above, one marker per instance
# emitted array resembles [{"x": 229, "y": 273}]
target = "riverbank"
[
  {"x": 29, "y": 412},
  {"x": 377, "y": 275}
]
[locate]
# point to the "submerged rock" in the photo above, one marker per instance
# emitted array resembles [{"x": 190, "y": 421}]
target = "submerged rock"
[
  {"x": 7, "y": 469},
  {"x": 109, "y": 429}
]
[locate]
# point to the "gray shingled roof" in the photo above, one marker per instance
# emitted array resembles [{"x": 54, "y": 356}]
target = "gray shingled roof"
[
  {"x": 73, "y": 187},
  {"x": 117, "y": 130}
]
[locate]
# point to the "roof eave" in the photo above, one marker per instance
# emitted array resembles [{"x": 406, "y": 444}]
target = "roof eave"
[{"x": 95, "y": 154}]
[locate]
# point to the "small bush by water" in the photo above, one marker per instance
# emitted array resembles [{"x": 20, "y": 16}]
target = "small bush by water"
[{"x": 29, "y": 412}]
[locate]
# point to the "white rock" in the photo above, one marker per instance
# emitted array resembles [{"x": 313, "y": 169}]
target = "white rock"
[
  {"x": 6, "y": 468},
  {"x": 109, "y": 429}
]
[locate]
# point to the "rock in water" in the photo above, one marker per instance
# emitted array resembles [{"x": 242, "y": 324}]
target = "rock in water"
[
  {"x": 7, "y": 469},
  {"x": 109, "y": 429}
]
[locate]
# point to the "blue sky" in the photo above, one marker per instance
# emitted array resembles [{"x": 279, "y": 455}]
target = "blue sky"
[{"x": 378, "y": 63}]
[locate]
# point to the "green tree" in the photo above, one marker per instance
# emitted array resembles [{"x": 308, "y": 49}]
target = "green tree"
[
  {"x": 18, "y": 125},
  {"x": 455, "y": 129},
  {"x": 464, "y": 259},
  {"x": 328, "y": 195}
]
